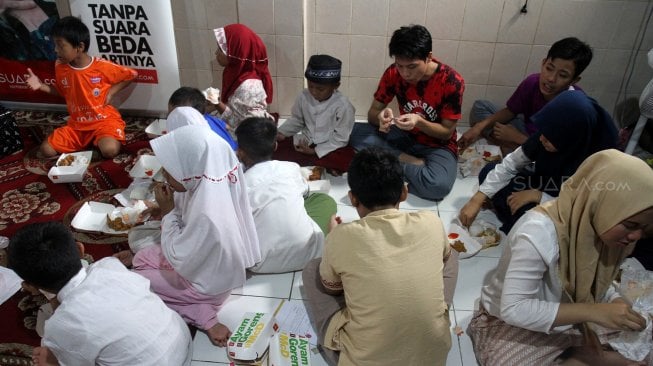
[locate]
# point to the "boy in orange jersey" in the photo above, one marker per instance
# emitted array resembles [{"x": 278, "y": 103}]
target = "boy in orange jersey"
[{"x": 88, "y": 84}]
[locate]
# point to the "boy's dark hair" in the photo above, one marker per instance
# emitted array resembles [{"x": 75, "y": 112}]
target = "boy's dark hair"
[
  {"x": 73, "y": 30},
  {"x": 188, "y": 97},
  {"x": 375, "y": 177},
  {"x": 45, "y": 255},
  {"x": 571, "y": 48},
  {"x": 411, "y": 42},
  {"x": 256, "y": 136}
]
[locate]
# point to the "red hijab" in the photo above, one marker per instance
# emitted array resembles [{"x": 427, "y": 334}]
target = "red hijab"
[{"x": 248, "y": 59}]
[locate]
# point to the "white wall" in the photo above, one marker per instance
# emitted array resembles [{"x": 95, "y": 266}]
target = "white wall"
[{"x": 489, "y": 42}]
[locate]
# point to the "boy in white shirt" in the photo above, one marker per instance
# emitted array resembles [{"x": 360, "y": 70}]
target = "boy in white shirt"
[
  {"x": 106, "y": 315},
  {"x": 280, "y": 199},
  {"x": 321, "y": 122}
]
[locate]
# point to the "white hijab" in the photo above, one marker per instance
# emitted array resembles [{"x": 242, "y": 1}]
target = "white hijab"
[
  {"x": 185, "y": 116},
  {"x": 209, "y": 237}
]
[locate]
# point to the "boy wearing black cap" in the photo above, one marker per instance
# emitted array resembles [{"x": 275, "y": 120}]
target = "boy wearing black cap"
[{"x": 322, "y": 119}]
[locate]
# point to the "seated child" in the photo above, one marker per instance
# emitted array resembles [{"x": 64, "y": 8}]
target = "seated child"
[
  {"x": 277, "y": 189},
  {"x": 193, "y": 97},
  {"x": 106, "y": 314},
  {"x": 561, "y": 69},
  {"x": 88, "y": 84},
  {"x": 208, "y": 237},
  {"x": 572, "y": 127},
  {"x": 321, "y": 122},
  {"x": 554, "y": 280},
  {"x": 395, "y": 269}
]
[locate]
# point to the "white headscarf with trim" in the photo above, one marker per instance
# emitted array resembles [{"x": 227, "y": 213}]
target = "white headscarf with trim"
[{"x": 209, "y": 237}]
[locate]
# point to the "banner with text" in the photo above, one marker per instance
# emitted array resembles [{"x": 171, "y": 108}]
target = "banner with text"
[
  {"x": 134, "y": 33},
  {"x": 138, "y": 34}
]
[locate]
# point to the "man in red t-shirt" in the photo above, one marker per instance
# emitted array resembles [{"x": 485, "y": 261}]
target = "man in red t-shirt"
[{"x": 430, "y": 96}]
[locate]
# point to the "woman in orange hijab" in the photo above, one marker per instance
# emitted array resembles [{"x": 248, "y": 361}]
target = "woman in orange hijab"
[{"x": 246, "y": 80}]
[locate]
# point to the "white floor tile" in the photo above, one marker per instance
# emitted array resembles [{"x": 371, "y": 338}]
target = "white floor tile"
[
  {"x": 347, "y": 213},
  {"x": 268, "y": 285},
  {"x": 467, "y": 351},
  {"x": 462, "y": 191},
  {"x": 471, "y": 273},
  {"x": 202, "y": 363},
  {"x": 230, "y": 315},
  {"x": 297, "y": 292},
  {"x": 339, "y": 189},
  {"x": 454, "y": 356},
  {"x": 415, "y": 203}
]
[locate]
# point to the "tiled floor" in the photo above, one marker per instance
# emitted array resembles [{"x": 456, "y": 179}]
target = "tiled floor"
[{"x": 264, "y": 292}]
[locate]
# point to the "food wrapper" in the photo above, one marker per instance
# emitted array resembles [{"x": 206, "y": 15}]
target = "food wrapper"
[
  {"x": 249, "y": 342},
  {"x": 468, "y": 242},
  {"x": 212, "y": 95},
  {"x": 130, "y": 215},
  {"x": 288, "y": 349},
  {"x": 636, "y": 286},
  {"x": 474, "y": 158}
]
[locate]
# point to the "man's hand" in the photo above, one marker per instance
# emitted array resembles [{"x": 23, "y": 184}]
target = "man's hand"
[
  {"x": 386, "y": 119},
  {"x": 280, "y": 136},
  {"x": 469, "y": 137},
  {"x": 407, "y": 122},
  {"x": 506, "y": 133},
  {"x": 335, "y": 221}
]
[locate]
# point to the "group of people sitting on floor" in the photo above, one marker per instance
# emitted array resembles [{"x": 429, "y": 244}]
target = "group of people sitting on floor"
[{"x": 378, "y": 289}]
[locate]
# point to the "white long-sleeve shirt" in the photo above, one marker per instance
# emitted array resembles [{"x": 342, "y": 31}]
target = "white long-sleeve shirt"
[
  {"x": 326, "y": 124},
  {"x": 525, "y": 290},
  {"x": 288, "y": 237},
  {"x": 109, "y": 316},
  {"x": 502, "y": 173}
]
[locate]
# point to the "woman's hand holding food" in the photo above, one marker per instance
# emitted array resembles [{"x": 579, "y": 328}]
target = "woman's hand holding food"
[
  {"x": 470, "y": 210},
  {"x": 617, "y": 315}
]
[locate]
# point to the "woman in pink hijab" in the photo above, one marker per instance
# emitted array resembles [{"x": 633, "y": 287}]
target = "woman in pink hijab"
[{"x": 246, "y": 80}]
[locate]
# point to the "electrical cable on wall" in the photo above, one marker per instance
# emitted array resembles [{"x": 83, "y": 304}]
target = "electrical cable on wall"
[{"x": 524, "y": 9}]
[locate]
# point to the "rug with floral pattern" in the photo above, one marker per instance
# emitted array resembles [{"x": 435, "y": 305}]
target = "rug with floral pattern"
[{"x": 27, "y": 195}]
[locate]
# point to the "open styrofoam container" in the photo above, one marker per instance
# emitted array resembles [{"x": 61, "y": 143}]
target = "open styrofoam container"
[
  {"x": 71, "y": 173},
  {"x": 147, "y": 166},
  {"x": 92, "y": 216},
  {"x": 157, "y": 128}
]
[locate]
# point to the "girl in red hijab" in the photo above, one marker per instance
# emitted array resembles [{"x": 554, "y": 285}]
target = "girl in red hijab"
[{"x": 246, "y": 80}]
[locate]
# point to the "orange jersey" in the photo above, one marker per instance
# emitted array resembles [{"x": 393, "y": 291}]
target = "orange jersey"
[{"x": 85, "y": 90}]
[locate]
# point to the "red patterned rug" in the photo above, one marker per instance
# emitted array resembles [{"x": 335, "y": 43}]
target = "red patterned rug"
[{"x": 27, "y": 195}]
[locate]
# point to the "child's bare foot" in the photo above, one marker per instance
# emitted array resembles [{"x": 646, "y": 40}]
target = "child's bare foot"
[
  {"x": 126, "y": 257},
  {"x": 219, "y": 334},
  {"x": 42, "y": 356}
]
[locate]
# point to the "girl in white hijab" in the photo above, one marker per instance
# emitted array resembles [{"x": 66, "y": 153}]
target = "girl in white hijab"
[
  {"x": 208, "y": 237},
  {"x": 185, "y": 116}
]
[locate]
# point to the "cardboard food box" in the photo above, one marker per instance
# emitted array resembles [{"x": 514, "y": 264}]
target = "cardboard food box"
[
  {"x": 314, "y": 177},
  {"x": 289, "y": 349},
  {"x": 74, "y": 172},
  {"x": 92, "y": 217},
  {"x": 147, "y": 166},
  {"x": 248, "y": 345},
  {"x": 157, "y": 128}
]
